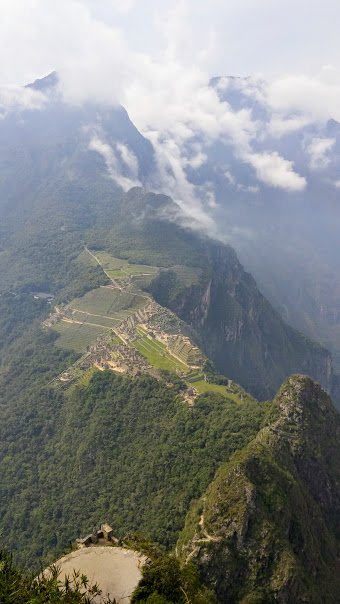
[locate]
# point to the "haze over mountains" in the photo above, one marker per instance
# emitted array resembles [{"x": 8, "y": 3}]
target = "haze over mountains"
[
  {"x": 170, "y": 300},
  {"x": 101, "y": 223},
  {"x": 258, "y": 170},
  {"x": 70, "y": 156}
]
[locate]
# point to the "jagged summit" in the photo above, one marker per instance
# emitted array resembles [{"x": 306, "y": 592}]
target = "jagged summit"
[
  {"x": 45, "y": 83},
  {"x": 300, "y": 399},
  {"x": 268, "y": 525}
]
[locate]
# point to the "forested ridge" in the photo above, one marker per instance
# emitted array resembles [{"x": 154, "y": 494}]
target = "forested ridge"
[
  {"x": 126, "y": 450},
  {"x": 118, "y": 448}
]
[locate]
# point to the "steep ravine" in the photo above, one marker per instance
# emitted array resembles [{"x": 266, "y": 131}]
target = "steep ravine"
[{"x": 241, "y": 332}]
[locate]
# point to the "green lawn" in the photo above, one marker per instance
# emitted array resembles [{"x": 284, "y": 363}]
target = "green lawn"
[
  {"x": 108, "y": 262},
  {"x": 76, "y": 337},
  {"x": 157, "y": 355},
  {"x": 94, "y": 319},
  {"x": 140, "y": 269},
  {"x": 116, "y": 274},
  {"x": 202, "y": 386},
  {"x": 99, "y": 310},
  {"x": 110, "y": 302},
  {"x": 115, "y": 340},
  {"x": 119, "y": 268}
]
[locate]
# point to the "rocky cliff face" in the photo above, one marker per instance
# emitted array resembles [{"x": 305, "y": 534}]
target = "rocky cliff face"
[
  {"x": 268, "y": 527},
  {"x": 241, "y": 332}
]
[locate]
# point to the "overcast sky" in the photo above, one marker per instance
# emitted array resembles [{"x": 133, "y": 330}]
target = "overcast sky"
[
  {"x": 238, "y": 37},
  {"x": 156, "y": 57}
]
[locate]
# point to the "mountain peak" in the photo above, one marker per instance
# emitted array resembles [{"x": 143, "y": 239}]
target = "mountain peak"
[
  {"x": 305, "y": 409},
  {"x": 275, "y": 505},
  {"x": 46, "y": 83}
]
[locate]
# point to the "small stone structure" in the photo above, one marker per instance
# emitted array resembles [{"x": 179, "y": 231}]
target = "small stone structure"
[
  {"x": 104, "y": 534},
  {"x": 107, "y": 531},
  {"x": 85, "y": 541}
]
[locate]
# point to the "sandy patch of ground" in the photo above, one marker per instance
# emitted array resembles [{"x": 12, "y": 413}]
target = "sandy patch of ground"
[{"x": 117, "y": 571}]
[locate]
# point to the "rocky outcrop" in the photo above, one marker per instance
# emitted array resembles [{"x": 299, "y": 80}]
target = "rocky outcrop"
[
  {"x": 240, "y": 330},
  {"x": 268, "y": 527}
]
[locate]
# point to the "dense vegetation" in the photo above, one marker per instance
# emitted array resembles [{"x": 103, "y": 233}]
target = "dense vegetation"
[
  {"x": 271, "y": 513},
  {"x": 139, "y": 456},
  {"x": 165, "y": 581},
  {"x": 125, "y": 450},
  {"x": 239, "y": 330}
]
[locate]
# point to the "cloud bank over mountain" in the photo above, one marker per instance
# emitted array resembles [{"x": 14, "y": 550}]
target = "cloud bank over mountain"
[{"x": 164, "y": 85}]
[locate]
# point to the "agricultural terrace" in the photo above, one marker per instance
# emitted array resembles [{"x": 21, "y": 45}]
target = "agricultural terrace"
[
  {"x": 119, "y": 269},
  {"x": 84, "y": 319},
  {"x": 81, "y": 323},
  {"x": 156, "y": 353},
  {"x": 109, "y": 302},
  {"x": 73, "y": 336}
]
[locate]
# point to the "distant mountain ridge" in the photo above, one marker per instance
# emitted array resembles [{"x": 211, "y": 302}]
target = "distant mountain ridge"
[
  {"x": 260, "y": 479},
  {"x": 294, "y": 260},
  {"x": 288, "y": 239},
  {"x": 65, "y": 192}
]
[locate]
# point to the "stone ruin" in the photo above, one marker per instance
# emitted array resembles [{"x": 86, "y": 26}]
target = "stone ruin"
[{"x": 102, "y": 536}]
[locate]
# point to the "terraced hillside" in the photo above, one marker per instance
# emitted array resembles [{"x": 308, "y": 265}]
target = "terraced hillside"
[
  {"x": 121, "y": 328},
  {"x": 81, "y": 321}
]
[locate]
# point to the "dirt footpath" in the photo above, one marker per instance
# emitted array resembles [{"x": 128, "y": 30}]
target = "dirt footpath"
[{"x": 117, "y": 571}]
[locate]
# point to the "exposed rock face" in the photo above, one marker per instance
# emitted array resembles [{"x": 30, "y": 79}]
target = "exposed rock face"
[
  {"x": 241, "y": 332},
  {"x": 268, "y": 528}
]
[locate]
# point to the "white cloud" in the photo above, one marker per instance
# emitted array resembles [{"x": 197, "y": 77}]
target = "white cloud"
[
  {"x": 307, "y": 97},
  {"x": 112, "y": 163},
  {"x": 235, "y": 233},
  {"x": 248, "y": 188},
  {"x": 19, "y": 98},
  {"x": 122, "y": 6},
  {"x": 198, "y": 158},
  {"x": 171, "y": 179},
  {"x": 280, "y": 126},
  {"x": 129, "y": 159},
  {"x": 275, "y": 171},
  {"x": 229, "y": 176},
  {"x": 158, "y": 68},
  {"x": 318, "y": 150},
  {"x": 239, "y": 186},
  {"x": 103, "y": 9}
]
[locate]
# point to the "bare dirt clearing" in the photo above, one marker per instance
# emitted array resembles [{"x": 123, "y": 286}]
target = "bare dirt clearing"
[{"x": 116, "y": 570}]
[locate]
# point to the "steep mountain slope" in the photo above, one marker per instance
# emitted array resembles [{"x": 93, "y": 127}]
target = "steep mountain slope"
[
  {"x": 55, "y": 184},
  {"x": 288, "y": 239},
  {"x": 128, "y": 450},
  {"x": 268, "y": 527},
  {"x": 239, "y": 329},
  {"x": 235, "y": 324},
  {"x": 65, "y": 199},
  {"x": 75, "y": 149}
]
